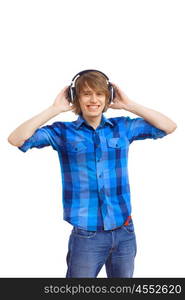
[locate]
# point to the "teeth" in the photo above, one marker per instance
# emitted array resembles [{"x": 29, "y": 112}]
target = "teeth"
[{"x": 93, "y": 106}]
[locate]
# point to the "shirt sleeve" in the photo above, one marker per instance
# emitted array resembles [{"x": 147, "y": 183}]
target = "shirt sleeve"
[
  {"x": 48, "y": 135},
  {"x": 139, "y": 129}
]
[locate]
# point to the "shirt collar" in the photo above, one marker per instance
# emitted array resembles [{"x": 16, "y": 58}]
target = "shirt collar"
[{"x": 81, "y": 120}]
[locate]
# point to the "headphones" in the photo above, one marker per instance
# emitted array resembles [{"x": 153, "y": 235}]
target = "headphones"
[{"x": 71, "y": 92}]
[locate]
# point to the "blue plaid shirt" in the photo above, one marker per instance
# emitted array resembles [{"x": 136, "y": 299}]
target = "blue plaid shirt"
[{"x": 94, "y": 167}]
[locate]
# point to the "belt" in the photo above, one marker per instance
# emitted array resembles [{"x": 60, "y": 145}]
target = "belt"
[{"x": 124, "y": 224}]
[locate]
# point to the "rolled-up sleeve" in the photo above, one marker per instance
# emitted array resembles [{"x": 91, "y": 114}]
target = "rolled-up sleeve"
[
  {"x": 139, "y": 129},
  {"x": 45, "y": 136}
]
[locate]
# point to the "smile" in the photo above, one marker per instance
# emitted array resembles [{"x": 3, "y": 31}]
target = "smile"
[{"x": 93, "y": 107}]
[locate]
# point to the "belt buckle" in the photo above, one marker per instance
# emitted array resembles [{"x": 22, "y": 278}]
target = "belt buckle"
[
  {"x": 127, "y": 221},
  {"x": 124, "y": 224}
]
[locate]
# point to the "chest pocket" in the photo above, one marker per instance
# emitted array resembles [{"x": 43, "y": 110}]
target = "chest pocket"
[
  {"x": 76, "y": 146},
  {"x": 115, "y": 142}
]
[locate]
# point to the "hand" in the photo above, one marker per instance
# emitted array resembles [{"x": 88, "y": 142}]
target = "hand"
[
  {"x": 121, "y": 100},
  {"x": 61, "y": 102}
]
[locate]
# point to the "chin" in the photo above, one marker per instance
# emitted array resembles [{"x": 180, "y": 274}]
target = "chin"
[{"x": 94, "y": 113}]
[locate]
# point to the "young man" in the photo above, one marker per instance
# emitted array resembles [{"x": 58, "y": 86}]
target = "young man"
[{"x": 93, "y": 153}]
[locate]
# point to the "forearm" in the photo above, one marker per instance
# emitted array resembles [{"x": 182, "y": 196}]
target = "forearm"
[
  {"x": 152, "y": 116},
  {"x": 26, "y": 129}
]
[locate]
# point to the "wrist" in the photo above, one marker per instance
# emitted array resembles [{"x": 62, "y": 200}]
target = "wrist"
[
  {"x": 131, "y": 106},
  {"x": 54, "y": 110}
]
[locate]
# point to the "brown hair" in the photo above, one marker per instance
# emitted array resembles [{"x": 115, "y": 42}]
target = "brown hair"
[{"x": 97, "y": 82}]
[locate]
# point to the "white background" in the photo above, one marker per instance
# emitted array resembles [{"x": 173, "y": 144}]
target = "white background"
[{"x": 140, "y": 46}]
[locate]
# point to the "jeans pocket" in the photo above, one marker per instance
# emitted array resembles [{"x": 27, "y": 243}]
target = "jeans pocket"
[
  {"x": 130, "y": 227},
  {"x": 83, "y": 233}
]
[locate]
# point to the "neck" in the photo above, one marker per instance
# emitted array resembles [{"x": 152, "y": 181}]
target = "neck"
[{"x": 93, "y": 121}]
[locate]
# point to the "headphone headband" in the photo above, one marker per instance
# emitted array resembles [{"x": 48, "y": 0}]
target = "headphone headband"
[{"x": 83, "y": 72}]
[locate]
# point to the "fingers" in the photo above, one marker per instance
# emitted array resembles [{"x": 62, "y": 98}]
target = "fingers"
[
  {"x": 65, "y": 88},
  {"x": 117, "y": 89},
  {"x": 114, "y": 85},
  {"x": 65, "y": 91}
]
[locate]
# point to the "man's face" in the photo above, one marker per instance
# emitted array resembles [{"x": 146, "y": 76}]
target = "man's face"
[{"x": 92, "y": 102}]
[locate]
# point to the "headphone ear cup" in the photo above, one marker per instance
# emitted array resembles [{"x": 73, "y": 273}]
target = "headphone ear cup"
[
  {"x": 68, "y": 94},
  {"x": 71, "y": 94},
  {"x": 112, "y": 92},
  {"x": 73, "y": 91}
]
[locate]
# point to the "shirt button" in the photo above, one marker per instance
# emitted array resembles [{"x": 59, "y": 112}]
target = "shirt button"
[{"x": 100, "y": 175}]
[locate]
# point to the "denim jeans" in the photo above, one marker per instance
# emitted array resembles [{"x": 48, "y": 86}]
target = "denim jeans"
[{"x": 88, "y": 251}]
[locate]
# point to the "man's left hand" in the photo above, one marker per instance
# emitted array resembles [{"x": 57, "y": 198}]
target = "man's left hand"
[{"x": 121, "y": 100}]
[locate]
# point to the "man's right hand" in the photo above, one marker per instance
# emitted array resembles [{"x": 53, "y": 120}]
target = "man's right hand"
[{"x": 61, "y": 102}]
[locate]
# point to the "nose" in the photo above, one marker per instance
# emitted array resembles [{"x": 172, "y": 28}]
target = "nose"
[{"x": 93, "y": 98}]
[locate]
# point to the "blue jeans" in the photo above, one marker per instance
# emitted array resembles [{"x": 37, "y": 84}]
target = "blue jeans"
[{"x": 88, "y": 251}]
